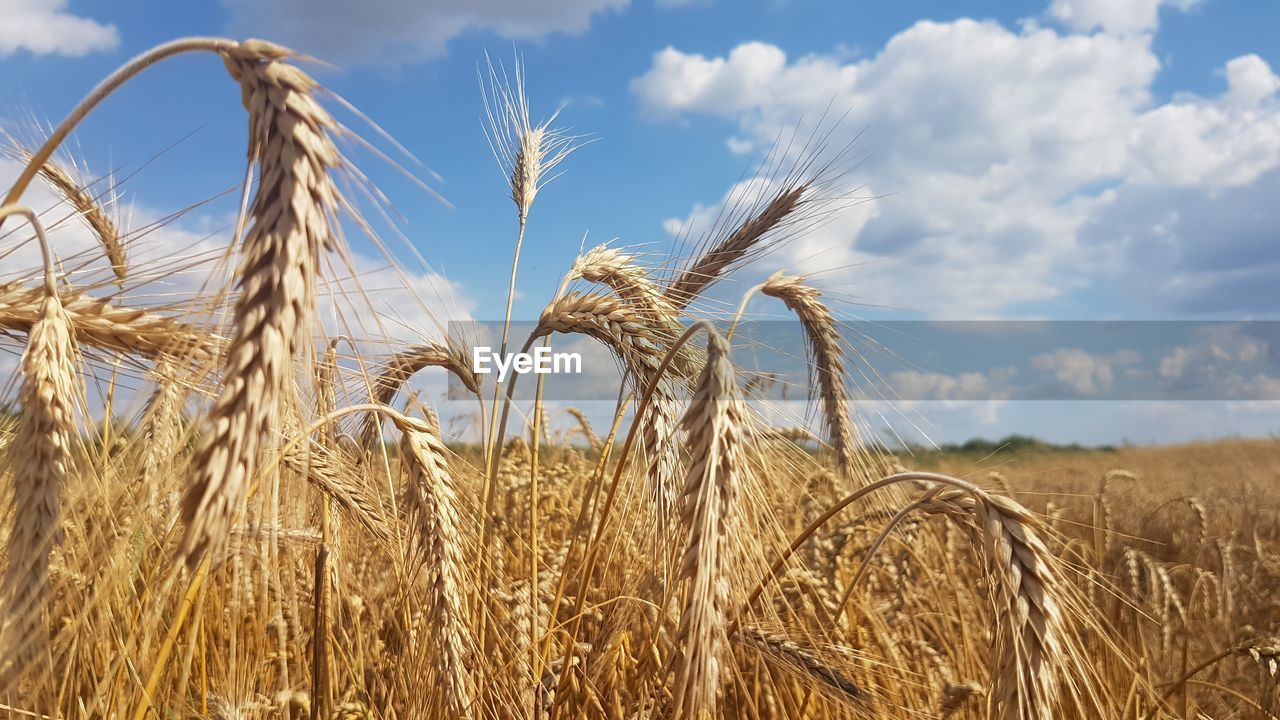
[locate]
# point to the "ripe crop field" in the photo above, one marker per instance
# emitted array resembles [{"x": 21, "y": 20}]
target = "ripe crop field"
[{"x": 275, "y": 526}]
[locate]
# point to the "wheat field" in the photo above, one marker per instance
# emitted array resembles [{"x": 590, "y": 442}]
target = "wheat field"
[{"x": 279, "y": 526}]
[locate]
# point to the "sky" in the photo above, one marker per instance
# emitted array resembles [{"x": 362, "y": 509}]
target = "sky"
[{"x": 1047, "y": 160}]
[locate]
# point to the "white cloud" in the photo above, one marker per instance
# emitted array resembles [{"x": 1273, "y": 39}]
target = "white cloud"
[
  {"x": 1081, "y": 372},
  {"x": 404, "y": 30},
  {"x": 43, "y": 27},
  {"x": 1220, "y": 363},
  {"x": 1114, "y": 16},
  {"x": 994, "y": 147},
  {"x": 918, "y": 385},
  {"x": 1250, "y": 81}
]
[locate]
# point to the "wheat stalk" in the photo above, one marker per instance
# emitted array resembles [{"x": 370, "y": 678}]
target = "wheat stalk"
[
  {"x": 826, "y": 362},
  {"x": 45, "y": 433},
  {"x": 291, "y": 218},
  {"x": 713, "y": 426},
  {"x": 396, "y": 370},
  {"x": 434, "y": 507}
]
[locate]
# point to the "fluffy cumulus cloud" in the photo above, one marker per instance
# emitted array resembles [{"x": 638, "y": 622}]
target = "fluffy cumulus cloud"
[
  {"x": 1114, "y": 16},
  {"x": 44, "y": 27},
  {"x": 999, "y": 151},
  {"x": 921, "y": 385},
  {"x": 1082, "y": 373},
  {"x": 405, "y": 30}
]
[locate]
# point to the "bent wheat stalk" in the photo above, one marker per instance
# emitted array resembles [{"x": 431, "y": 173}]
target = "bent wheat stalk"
[
  {"x": 45, "y": 432},
  {"x": 826, "y": 363},
  {"x": 291, "y": 217}
]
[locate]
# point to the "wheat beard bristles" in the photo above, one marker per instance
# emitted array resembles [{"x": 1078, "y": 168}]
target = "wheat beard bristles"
[
  {"x": 433, "y": 503},
  {"x": 45, "y": 432},
  {"x": 291, "y": 219},
  {"x": 827, "y": 362},
  {"x": 713, "y": 426}
]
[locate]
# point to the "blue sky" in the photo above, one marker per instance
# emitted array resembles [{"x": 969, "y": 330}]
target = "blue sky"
[{"x": 1059, "y": 159}]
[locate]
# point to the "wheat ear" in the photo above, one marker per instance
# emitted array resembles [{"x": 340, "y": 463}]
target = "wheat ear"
[
  {"x": 584, "y": 428},
  {"x": 319, "y": 467},
  {"x": 99, "y": 324},
  {"x": 615, "y": 323},
  {"x": 396, "y": 370},
  {"x": 64, "y": 181},
  {"x": 45, "y": 432},
  {"x": 736, "y": 247},
  {"x": 291, "y": 217},
  {"x": 826, "y": 363},
  {"x": 620, "y": 272},
  {"x": 433, "y": 504},
  {"x": 713, "y": 425},
  {"x": 1033, "y": 651}
]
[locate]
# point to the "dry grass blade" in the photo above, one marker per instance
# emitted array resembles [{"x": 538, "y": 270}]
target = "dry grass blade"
[
  {"x": 713, "y": 425},
  {"x": 291, "y": 225}
]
